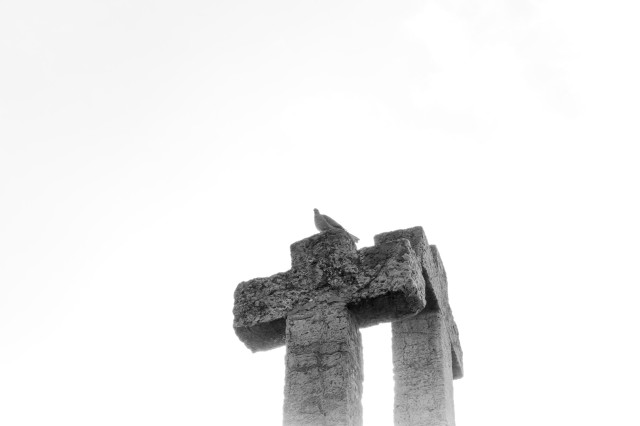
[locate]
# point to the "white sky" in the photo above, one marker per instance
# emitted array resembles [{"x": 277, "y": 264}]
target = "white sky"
[{"x": 154, "y": 154}]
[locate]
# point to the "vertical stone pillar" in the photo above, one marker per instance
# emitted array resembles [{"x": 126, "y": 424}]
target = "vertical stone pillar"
[
  {"x": 426, "y": 348},
  {"x": 423, "y": 371},
  {"x": 323, "y": 384}
]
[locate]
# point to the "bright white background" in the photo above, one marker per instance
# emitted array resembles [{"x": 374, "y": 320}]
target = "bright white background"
[{"x": 154, "y": 154}]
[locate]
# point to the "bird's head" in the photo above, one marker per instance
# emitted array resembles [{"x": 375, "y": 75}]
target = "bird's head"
[{"x": 316, "y": 211}]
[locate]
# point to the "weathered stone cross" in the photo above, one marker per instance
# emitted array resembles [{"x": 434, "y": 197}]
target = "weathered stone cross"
[
  {"x": 426, "y": 349},
  {"x": 316, "y": 308}
]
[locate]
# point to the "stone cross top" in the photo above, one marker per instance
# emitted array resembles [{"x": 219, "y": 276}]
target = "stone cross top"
[
  {"x": 316, "y": 308},
  {"x": 426, "y": 349}
]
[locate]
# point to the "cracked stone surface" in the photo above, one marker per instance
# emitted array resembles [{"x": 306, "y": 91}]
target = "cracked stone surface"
[
  {"x": 423, "y": 371},
  {"x": 323, "y": 384},
  {"x": 426, "y": 348},
  {"x": 316, "y": 309}
]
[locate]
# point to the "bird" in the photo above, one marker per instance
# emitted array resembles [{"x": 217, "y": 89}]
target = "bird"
[{"x": 325, "y": 223}]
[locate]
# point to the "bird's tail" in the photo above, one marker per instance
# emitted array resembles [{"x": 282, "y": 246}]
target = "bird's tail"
[{"x": 354, "y": 238}]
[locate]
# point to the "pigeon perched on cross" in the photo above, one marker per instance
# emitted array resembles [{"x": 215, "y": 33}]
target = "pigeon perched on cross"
[{"x": 325, "y": 223}]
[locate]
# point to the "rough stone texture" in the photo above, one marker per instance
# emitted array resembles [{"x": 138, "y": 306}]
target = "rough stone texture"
[
  {"x": 316, "y": 308},
  {"x": 426, "y": 348},
  {"x": 423, "y": 372},
  {"x": 324, "y": 367}
]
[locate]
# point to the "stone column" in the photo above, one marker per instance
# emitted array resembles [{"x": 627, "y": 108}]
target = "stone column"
[
  {"x": 423, "y": 371},
  {"x": 323, "y": 384}
]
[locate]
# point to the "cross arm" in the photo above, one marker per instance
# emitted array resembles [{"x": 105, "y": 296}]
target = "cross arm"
[
  {"x": 391, "y": 285},
  {"x": 377, "y": 284},
  {"x": 260, "y": 311}
]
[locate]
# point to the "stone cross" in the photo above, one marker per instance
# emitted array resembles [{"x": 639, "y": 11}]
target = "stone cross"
[
  {"x": 316, "y": 309},
  {"x": 426, "y": 349}
]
